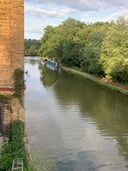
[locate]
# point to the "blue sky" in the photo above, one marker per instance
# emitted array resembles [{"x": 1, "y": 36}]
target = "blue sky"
[{"x": 40, "y": 13}]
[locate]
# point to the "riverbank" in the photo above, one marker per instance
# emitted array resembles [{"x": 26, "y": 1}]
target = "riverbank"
[
  {"x": 102, "y": 82},
  {"x": 13, "y": 148}
]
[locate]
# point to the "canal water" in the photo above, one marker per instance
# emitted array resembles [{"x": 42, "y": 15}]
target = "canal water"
[{"x": 75, "y": 123}]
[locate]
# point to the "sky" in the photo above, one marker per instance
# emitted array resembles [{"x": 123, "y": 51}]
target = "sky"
[{"x": 41, "y": 13}]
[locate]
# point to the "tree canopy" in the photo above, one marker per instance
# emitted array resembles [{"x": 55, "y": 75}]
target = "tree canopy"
[
  {"x": 114, "y": 52},
  {"x": 31, "y": 47},
  {"x": 100, "y": 48}
]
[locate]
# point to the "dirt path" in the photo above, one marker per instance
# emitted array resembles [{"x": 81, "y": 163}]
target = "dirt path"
[{"x": 115, "y": 86}]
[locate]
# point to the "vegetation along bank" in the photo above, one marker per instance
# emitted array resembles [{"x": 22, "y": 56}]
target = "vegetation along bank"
[
  {"x": 102, "y": 82},
  {"x": 31, "y": 47},
  {"x": 100, "y": 49},
  {"x": 13, "y": 147}
]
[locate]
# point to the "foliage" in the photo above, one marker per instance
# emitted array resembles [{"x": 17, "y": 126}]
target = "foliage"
[
  {"x": 32, "y": 50},
  {"x": 91, "y": 52},
  {"x": 114, "y": 52},
  {"x": 31, "y": 47},
  {"x": 48, "y": 42},
  {"x": 40, "y": 162},
  {"x": 100, "y": 48},
  {"x": 18, "y": 76},
  {"x": 14, "y": 147},
  {"x": 4, "y": 99},
  {"x": 71, "y": 53},
  {"x": 58, "y": 40}
]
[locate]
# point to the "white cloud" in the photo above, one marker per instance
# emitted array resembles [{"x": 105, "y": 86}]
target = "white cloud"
[
  {"x": 50, "y": 12},
  {"x": 107, "y": 15},
  {"x": 117, "y": 3},
  {"x": 34, "y": 29},
  {"x": 40, "y": 13},
  {"x": 120, "y": 13},
  {"x": 83, "y": 5}
]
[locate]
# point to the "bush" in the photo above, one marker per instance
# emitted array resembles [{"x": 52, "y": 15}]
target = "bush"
[{"x": 14, "y": 148}]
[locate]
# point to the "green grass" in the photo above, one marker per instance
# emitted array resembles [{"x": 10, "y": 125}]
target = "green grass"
[
  {"x": 96, "y": 80},
  {"x": 13, "y": 147}
]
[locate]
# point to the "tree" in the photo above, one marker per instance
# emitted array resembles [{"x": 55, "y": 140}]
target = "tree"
[
  {"x": 99, "y": 48},
  {"x": 31, "y": 47},
  {"x": 114, "y": 53},
  {"x": 91, "y": 51},
  {"x": 32, "y": 50},
  {"x": 71, "y": 53},
  {"x": 44, "y": 49}
]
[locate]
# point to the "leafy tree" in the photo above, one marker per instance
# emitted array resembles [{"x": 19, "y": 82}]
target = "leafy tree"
[
  {"x": 71, "y": 53},
  {"x": 31, "y": 47},
  {"x": 45, "y": 42},
  {"x": 99, "y": 48},
  {"x": 54, "y": 39},
  {"x": 32, "y": 50},
  {"x": 91, "y": 51},
  {"x": 114, "y": 53}
]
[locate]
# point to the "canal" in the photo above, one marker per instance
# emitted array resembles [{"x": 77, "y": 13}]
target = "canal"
[{"x": 77, "y": 124}]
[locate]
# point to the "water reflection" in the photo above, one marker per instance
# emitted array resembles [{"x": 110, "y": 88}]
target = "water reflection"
[
  {"x": 47, "y": 76},
  {"x": 80, "y": 125},
  {"x": 31, "y": 60},
  {"x": 109, "y": 110}
]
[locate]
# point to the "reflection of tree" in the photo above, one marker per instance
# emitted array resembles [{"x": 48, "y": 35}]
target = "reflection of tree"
[
  {"x": 113, "y": 119},
  {"x": 47, "y": 76},
  {"x": 31, "y": 60},
  {"x": 71, "y": 89},
  {"x": 108, "y": 110},
  {"x": 123, "y": 146}
]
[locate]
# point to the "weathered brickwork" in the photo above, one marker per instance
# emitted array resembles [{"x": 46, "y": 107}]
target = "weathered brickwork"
[
  {"x": 11, "y": 39},
  {"x": 11, "y": 52}
]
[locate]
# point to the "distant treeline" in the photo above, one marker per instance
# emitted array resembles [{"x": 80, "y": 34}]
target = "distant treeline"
[
  {"x": 31, "y": 47},
  {"x": 100, "y": 48}
]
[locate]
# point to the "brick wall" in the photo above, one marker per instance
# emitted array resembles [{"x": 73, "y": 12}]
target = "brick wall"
[
  {"x": 11, "y": 39},
  {"x": 11, "y": 52}
]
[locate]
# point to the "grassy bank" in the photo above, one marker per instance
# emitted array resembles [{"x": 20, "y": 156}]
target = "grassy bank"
[
  {"x": 110, "y": 85},
  {"x": 13, "y": 147}
]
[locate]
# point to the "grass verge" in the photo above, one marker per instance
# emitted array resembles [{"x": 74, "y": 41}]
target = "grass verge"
[
  {"x": 13, "y": 147},
  {"x": 109, "y": 85}
]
